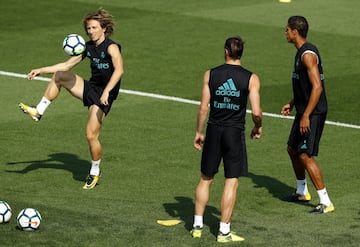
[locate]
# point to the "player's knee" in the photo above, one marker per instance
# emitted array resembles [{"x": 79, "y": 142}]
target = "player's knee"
[
  {"x": 58, "y": 76},
  {"x": 304, "y": 157},
  {"x": 232, "y": 183},
  {"x": 291, "y": 151},
  {"x": 63, "y": 77},
  {"x": 90, "y": 135},
  {"x": 207, "y": 178}
]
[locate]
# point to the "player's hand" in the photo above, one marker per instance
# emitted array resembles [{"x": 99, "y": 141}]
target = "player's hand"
[
  {"x": 286, "y": 110},
  {"x": 33, "y": 73},
  {"x": 304, "y": 125},
  {"x": 256, "y": 133},
  {"x": 104, "y": 98},
  {"x": 199, "y": 141}
]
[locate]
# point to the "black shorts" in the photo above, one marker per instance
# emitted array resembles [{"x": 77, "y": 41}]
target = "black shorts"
[
  {"x": 92, "y": 94},
  {"x": 308, "y": 143},
  {"x": 228, "y": 144}
]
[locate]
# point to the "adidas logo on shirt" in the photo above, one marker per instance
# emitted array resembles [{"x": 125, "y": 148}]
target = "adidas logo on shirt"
[
  {"x": 228, "y": 89},
  {"x": 228, "y": 92}
]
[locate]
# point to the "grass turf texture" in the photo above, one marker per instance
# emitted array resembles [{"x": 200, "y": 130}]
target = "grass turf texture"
[{"x": 150, "y": 169}]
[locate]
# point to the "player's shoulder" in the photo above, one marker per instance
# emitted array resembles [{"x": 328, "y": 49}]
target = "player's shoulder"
[
  {"x": 111, "y": 42},
  {"x": 309, "y": 47}
]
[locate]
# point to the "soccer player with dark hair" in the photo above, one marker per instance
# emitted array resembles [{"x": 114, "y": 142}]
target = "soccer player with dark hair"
[
  {"x": 309, "y": 100},
  {"x": 226, "y": 90},
  {"x": 97, "y": 93}
]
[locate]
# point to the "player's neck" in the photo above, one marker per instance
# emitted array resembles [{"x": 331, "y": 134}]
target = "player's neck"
[
  {"x": 99, "y": 41},
  {"x": 299, "y": 43},
  {"x": 233, "y": 61}
]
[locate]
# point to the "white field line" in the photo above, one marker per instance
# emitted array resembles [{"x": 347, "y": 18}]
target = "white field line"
[{"x": 177, "y": 99}]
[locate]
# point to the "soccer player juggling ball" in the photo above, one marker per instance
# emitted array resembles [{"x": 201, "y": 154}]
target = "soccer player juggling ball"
[{"x": 97, "y": 93}]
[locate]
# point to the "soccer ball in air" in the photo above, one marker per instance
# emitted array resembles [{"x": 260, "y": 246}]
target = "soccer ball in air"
[
  {"x": 5, "y": 212},
  {"x": 74, "y": 44},
  {"x": 29, "y": 219}
]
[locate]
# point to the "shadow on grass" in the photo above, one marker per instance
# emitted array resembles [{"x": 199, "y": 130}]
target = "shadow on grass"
[
  {"x": 64, "y": 161},
  {"x": 275, "y": 187},
  {"x": 184, "y": 209}
]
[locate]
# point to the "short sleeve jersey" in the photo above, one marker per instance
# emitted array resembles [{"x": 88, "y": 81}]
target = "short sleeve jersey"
[
  {"x": 101, "y": 64},
  {"x": 301, "y": 82},
  {"x": 229, "y": 90}
]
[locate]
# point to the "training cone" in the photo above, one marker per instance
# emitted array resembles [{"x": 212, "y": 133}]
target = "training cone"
[{"x": 168, "y": 222}]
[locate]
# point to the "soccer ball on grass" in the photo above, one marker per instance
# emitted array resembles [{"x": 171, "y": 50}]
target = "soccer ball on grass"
[
  {"x": 74, "y": 45},
  {"x": 5, "y": 212},
  {"x": 29, "y": 219}
]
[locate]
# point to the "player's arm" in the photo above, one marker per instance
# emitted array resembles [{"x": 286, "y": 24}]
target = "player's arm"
[
  {"x": 117, "y": 61},
  {"x": 310, "y": 60},
  {"x": 203, "y": 112},
  {"x": 64, "y": 66},
  {"x": 254, "y": 97}
]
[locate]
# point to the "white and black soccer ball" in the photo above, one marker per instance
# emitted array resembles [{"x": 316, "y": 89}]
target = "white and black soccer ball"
[
  {"x": 5, "y": 212},
  {"x": 29, "y": 219},
  {"x": 74, "y": 44}
]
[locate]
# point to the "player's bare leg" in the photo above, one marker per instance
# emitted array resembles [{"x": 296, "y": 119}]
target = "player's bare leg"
[
  {"x": 202, "y": 195},
  {"x": 96, "y": 117},
  {"x": 313, "y": 170},
  {"x": 298, "y": 166},
  {"x": 73, "y": 83},
  {"x": 228, "y": 199},
  {"x": 301, "y": 194}
]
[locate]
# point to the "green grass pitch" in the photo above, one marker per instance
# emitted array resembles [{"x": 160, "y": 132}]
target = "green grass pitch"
[{"x": 150, "y": 168}]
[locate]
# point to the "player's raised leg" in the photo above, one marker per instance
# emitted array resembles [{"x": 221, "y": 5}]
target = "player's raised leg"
[{"x": 73, "y": 83}]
